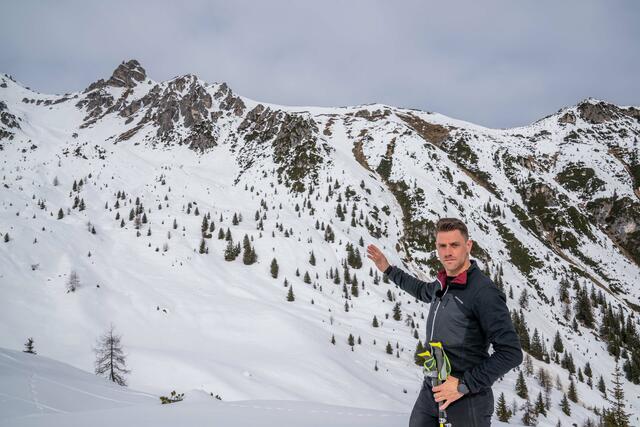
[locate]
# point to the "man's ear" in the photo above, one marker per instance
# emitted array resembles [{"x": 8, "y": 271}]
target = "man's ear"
[{"x": 469, "y": 245}]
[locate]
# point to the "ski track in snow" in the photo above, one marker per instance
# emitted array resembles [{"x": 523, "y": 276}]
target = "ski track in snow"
[
  {"x": 38, "y": 405},
  {"x": 34, "y": 392}
]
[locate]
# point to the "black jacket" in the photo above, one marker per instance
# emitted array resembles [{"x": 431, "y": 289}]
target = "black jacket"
[{"x": 466, "y": 315}]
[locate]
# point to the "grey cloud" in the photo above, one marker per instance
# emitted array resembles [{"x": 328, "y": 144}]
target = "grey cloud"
[{"x": 496, "y": 63}]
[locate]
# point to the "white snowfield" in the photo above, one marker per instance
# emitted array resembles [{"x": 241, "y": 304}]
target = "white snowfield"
[
  {"x": 197, "y": 323},
  {"x": 38, "y": 391}
]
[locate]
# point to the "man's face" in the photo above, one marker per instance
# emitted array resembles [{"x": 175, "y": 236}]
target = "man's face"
[{"x": 453, "y": 250}]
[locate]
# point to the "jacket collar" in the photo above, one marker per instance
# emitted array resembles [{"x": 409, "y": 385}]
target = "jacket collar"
[{"x": 460, "y": 279}]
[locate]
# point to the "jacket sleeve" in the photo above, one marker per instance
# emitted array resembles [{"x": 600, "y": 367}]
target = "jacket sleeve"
[
  {"x": 421, "y": 290},
  {"x": 491, "y": 310}
]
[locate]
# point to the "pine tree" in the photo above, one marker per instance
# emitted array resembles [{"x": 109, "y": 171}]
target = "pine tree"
[
  {"x": 110, "y": 358},
  {"x": 203, "y": 246},
  {"x": 584, "y": 311},
  {"x": 248, "y": 257},
  {"x": 524, "y": 299},
  {"x": 29, "y": 347},
  {"x": 357, "y": 260},
  {"x": 274, "y": 268},
  {"x": 204, "y": 227},
  {"x": 540, "y": 406},
  {"x": 528, "y": 365},
  {"x": 616, "y": 416},
  {"x": 60, "y": 214},
  {"x": 397, "y": 314},
  {"x": 521, "y": 386},
  {"x": 572, "y": 393},
  {"x": 544, "y": 379},
  {"x": 502, "y": 412},
  {"x": 529, "y": 415},
  {"x": 536, "y": 345},
  {"x": 564, "y": 405},
  {"x": 389, "y": 349},
  {"x": 6, "y": 238},
  {"x": 312, "y": 259},
  {"x": 229, "y": 252},
  {"x": 557, "y": 343},
  {"x": 375, "y": 322},
  {"x": 290, "y": 296},
  {"x": 350, "y": 340},
  {"x": 520, "y": 325},
  {"x": 601, "y": 386},
  {"x": 307, "y": 278},
  {"x": 354, "y": 288},
  {"x": 567, "y": 363},
  {"x": 329, "y": 235},
  {"x": 631, "y": 366}
]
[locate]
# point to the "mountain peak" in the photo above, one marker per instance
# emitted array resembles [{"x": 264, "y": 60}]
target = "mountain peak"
[{"x": 127, "y": 74}]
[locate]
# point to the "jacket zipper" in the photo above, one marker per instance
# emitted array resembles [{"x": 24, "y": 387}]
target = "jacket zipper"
[{"x": 435, "y": 313}]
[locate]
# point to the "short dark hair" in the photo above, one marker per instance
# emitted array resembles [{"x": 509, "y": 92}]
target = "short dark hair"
[{"x": 450, "y": 224}]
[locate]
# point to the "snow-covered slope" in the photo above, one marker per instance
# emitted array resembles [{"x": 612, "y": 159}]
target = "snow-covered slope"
[
  {"x": 552, "y": 207},
  {"x": 38, "y": 391}
]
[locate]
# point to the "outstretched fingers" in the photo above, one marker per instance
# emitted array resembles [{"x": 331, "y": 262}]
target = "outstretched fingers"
[{"x": 373, "y": 252}]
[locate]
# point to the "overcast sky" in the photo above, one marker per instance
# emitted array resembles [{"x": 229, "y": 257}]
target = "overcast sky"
[{"x": 495, "y": 63}]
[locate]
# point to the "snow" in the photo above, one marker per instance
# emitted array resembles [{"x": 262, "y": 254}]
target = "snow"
[
  {"x": 38, "y": 391},
  {"x": 199, "y": 324}
]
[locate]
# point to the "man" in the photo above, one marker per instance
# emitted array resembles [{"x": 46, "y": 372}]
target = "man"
[{"x": 468, "y": 312}]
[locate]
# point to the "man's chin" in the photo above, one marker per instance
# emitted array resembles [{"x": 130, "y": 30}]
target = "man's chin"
[{"x": 452, "y": 267}]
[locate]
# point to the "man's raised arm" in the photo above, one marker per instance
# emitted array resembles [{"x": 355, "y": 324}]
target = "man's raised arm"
[{"x": 420, "y": 289}]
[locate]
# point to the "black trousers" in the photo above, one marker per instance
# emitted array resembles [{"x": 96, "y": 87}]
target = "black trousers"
[{"x": 471, "y": 410}]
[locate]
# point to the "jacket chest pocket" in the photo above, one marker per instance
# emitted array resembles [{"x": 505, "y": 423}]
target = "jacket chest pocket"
[{"x": 453, "y": 320}]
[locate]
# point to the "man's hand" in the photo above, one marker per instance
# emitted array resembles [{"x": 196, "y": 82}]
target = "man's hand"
[
  {"x": 375, "y": 255},
  {"x": 447, "y": 392}
]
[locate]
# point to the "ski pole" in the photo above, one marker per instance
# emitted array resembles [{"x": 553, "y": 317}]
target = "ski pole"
[{"x": 443, "y": 368}]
